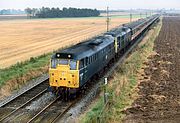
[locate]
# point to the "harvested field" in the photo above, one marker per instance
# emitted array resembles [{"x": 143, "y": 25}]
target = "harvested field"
[
  {"x": 12, "y": 17},
  {"x": 22, "y": 39},
  {"x": 159, "y": 92},
  {"x": 115, "y": 13}
]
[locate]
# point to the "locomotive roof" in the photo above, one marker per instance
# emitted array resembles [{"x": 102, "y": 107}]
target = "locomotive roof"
[
  {"x": 136, "y": 23},
  {"x": 85, "y": 49},
  {"x": 119, "y": 31},
  {"x": 139, "y": 22},
  {"x": 93, "y": 45}
]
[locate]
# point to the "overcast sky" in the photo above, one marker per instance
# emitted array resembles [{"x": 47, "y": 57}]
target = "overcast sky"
[{"x": 99, "y": 4}]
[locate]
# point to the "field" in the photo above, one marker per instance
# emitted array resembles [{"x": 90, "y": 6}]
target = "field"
[
  {"x": 158, "y": 96},
  {"x": 22, "y": 39},
  {"x": 12, "y": 17}
]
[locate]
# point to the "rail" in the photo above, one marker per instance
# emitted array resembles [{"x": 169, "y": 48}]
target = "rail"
[
  {"x": 23, "y": 105},
  {"x": 6, "y": 101}
]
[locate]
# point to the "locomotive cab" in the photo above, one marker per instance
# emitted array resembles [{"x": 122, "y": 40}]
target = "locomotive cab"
[{"x": 63, "y": 72}]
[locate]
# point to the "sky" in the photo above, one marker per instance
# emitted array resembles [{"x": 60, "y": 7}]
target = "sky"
[{"x": 99, "y": 4}]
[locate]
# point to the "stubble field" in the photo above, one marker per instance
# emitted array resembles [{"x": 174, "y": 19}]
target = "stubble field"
[{"x": 22, "y": 39}]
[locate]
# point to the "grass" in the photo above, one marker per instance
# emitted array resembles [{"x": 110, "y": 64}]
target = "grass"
[
  {"x": 14, "y": 77},
  {"x": 128, "y": 16},
  {"x": 94, "y": 112},
  {"x": 103, "y": 17},
  {"x": 122, "y": 87},
  {"x": 20, "y": 69}
]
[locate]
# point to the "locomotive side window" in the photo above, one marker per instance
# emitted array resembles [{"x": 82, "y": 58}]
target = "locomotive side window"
[
  {"x": 87, "y": 60},
  {"x": 81, "y": 64},
  {"x": 73, "y": 64},
  {"x": 118, "y": 38},
  {"x": 119, "y": 41},
  {"x": 96, "y": 56}
]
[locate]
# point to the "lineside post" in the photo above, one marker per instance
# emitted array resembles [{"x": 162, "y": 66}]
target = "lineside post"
[{"x": 105, "y": 91}]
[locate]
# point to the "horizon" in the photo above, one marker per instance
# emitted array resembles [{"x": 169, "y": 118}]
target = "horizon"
[
  {"x": 95, "y": 8},
  {"x": 93, "y": 4}
]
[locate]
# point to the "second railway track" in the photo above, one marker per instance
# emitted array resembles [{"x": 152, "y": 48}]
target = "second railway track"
[
  {"x": 53, "y": 111},
  {"x": 34, "y": 105},
  {"x": 19, "y": 102}
]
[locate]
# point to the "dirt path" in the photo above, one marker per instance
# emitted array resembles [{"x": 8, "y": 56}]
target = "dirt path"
[{"x": 159, "y": 93}]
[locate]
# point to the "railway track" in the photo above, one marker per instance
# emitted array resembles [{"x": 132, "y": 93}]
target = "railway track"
[
  {"x": 20, "y": 108},
  {"x": 19, "y": 102},
  {"x": 50, "y": 113},
  {"x": 53, "y": 111},
  {"x": 17, "y": 109}
]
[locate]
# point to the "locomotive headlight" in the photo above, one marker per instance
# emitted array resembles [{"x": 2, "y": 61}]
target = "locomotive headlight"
[
  {"x": 69, "y": 56},
  {"x": 58, "y": 55}
]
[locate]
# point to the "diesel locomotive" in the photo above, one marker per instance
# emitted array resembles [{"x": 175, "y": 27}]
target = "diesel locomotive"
[{"x": 70, "y": 69}]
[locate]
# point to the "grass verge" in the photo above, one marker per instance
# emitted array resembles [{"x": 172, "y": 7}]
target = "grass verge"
[
  {"x": 122, "y": 88},
  {"x": 15, "y": 76}
]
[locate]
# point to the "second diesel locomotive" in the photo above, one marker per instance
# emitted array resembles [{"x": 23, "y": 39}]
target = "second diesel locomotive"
[{"x": 71, "y": 68}]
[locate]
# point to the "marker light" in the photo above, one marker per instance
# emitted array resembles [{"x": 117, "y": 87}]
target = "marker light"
[{"x": 58, "y": 55}]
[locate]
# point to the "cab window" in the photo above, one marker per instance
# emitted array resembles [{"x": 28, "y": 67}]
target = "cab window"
[
  {"x": 53, "y": 63},
  {"x": 73, "y": 65},
  {"x": 63, "y": 61}
]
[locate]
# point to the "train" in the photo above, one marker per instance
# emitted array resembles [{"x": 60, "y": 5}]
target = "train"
[{"x": 72, "y": 68}]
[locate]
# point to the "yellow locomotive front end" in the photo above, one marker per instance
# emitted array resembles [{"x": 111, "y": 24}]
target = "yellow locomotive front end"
[{"x": 64, "y": 73}]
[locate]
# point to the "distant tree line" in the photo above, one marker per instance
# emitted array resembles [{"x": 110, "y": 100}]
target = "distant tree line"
[
  {"x": 11, "y": 12},
  {"x": 46, "y": 12}
]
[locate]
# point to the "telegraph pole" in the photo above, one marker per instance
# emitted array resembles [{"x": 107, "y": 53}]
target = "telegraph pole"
[
  {"x": 108, "y": 19},
  {"x": 130, "y": 17}
]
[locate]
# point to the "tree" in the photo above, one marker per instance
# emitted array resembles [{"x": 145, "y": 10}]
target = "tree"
[
  {"x": 46, "y": 12},
  {"x": 28, "y": 12},
  {"x": 34, "y": 12}
]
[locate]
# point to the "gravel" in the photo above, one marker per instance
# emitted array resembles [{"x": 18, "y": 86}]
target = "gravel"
[
  {"x": 26, "y": 87},
  {"x": 41, "y": 102},
  {"x": 81, "y": 106}
]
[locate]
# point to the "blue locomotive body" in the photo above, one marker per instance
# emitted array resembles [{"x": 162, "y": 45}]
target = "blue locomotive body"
[{"x": 73, "y": 67}]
